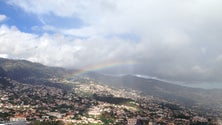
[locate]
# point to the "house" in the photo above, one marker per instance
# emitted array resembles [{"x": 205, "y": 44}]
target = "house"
[
  {"x": 17, "y": 118},
  {"x": 131, "y": 121}
]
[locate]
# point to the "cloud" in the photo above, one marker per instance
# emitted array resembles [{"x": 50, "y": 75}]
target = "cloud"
[
  {"x": 177, "y": 40},
  {"x": 3, "y": 55},
  {"x": 2, "y": 17},
  {"x": 58, "y": 50}
]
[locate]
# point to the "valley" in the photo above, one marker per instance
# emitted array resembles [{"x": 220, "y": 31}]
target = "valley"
[{"x": 43, "y": 95}]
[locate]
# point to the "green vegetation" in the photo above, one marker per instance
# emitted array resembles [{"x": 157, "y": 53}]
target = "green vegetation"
[
  {"x": 85, "y": 94},
  {"x": 107, "y": 118},
  {"x": 48, "y": 123},
  {"x": 111, "y": 99},
  {"x": 5, "y": 115},
  {"x": 182, "y": 116}
]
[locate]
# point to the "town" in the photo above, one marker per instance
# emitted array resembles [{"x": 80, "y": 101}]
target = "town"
[{"x": 92, "y": 103}]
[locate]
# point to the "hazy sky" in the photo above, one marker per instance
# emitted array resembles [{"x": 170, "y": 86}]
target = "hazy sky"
[{"x": 171, "y": 39}]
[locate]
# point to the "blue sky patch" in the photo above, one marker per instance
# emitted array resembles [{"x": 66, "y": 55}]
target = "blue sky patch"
[
  {"x": 17, "y": 17},
  {"x": 26, "y": 21}
]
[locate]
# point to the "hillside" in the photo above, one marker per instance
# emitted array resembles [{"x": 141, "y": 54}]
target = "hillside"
[
  {"x": 38, "y": 74},
  {"x": 39, "y": 92},
  {"x": 205, "y": 99},
  {"x": 31, "y": 73}
]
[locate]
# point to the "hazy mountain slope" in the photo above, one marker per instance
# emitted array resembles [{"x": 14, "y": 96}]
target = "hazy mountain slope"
[
  {"x": 31, "y": 73},
  {"x": 147, "y": 86},
  {"x": 180, "y": 94},
  {"x": 22, "y": 69},
  {"x": 2, "y": 72}
]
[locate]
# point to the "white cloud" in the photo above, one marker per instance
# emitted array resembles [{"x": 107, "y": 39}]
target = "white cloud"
[
  {"x": 3, "y": 55},
  {"x": 143, "y": 17},
  {"x": 2, "y": 17},
  {"x": 58, "y": 50},
  {"x": 173, "y": 35}
]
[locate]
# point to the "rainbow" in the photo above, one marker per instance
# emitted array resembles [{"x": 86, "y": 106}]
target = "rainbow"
[{"x": 100, "y": 66}]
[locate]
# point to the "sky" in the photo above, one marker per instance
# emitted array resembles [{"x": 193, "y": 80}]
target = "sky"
[{"x": 177, "y": 40}]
